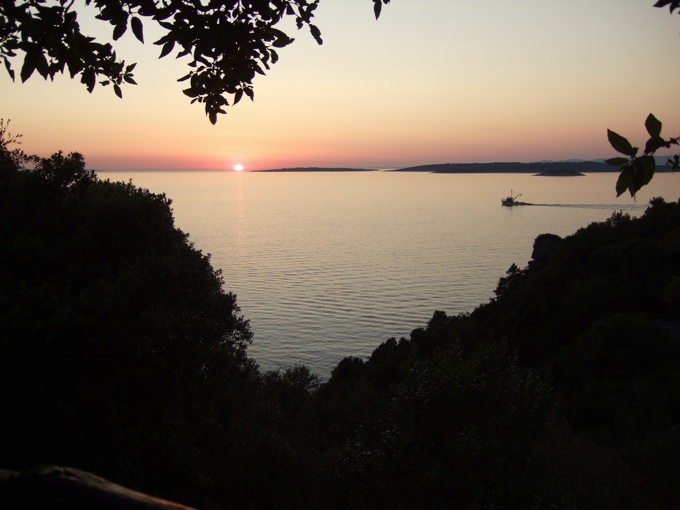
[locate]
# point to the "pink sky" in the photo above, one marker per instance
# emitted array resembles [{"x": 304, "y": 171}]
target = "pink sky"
[{"x": 430, "y": 82}]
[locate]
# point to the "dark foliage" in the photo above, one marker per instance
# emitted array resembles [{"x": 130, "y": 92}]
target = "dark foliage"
[
  {"x": 117, "y": 337},
  {"x": 458, "y": 432},
  {"x": 638, "y": 171},
  {"x": 228, "y": 42}
]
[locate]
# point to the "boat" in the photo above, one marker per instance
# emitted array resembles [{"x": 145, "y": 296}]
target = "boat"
[{"x": 512, "y": 200}]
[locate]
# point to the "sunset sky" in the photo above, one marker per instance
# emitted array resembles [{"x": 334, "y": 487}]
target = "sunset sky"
[{"x": 433, "y": 81}]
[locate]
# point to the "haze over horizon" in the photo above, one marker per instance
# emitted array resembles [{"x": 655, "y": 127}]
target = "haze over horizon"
[{"x": 430, "y": 82}]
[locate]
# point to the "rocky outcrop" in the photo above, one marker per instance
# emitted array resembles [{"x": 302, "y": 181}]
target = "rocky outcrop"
[
  {"x": 544, "y": 246},
  {"x": 65, "y": 487}
]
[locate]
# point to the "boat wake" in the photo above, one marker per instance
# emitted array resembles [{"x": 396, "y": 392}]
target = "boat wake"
[{"x": 610, "y": 207}]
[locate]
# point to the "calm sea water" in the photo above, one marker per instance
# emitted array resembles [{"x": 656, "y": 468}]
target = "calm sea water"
[{"x": 328, "y": 265}]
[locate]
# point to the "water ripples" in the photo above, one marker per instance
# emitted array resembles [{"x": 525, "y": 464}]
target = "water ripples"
[{"x": 330, "y": 265}]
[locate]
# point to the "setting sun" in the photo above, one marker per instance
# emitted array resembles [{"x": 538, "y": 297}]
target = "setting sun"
[{"x": 238, "y": 168}]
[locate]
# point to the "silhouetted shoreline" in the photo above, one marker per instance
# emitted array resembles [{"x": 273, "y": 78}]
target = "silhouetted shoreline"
[
  {"x": 539, "y": 168},
  {"x": 543, "y": 169}
]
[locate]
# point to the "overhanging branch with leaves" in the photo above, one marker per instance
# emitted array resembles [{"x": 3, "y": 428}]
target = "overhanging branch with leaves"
[{"x": 228, "y": 42}]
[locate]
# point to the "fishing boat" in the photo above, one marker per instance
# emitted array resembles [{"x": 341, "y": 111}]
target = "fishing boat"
[{"x": 512, "y": 200}]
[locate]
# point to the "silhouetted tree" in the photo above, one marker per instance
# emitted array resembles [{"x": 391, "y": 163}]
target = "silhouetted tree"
[
  {"x": 229, "y": 42},
  {"x": 120, "y": 350}
]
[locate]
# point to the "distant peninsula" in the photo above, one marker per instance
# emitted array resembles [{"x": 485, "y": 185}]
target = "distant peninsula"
[
  {"x": 557, "y": 168},
  {"x": 315, "y": 169}
]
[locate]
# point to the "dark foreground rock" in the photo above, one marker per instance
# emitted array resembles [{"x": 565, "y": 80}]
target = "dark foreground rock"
[{"x": 65, "y": 487}]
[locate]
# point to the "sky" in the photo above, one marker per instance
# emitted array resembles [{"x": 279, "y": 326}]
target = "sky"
[{"x": 432, "y": 81}]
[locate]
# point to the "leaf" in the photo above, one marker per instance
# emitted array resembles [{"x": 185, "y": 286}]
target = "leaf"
[
  {"x": 117, "y": 90},
  {"x": 57, "y": 67},
  {"x": 316, "y": 33},
  {"x": 281, "y": 42},
  {"x": 191, "y": 92},
  {"x": 238, "y": 95},
  {"x": 129, "y": 79},
  {"x": 167, "y": 48},
  {"x": 625, "y": 181},
  {"x": 621, "y": 144},
  {"x": 88, "y": 78},
  {"x": 106, "y": 14},
  {"x": 74, "y": 63},
  {"x": 617, "y": 161},
  {"x": 653, "y": 126},
  {"x": 281, "y": 39},
  {"x": 635, "y": 175},
  {"x": 213, "y": 117},
  {"x": 654, "y": 144},
  {"x": 10, "y": 71},
  {"x": 163, "y": 40},
  {"x": 119, "y": 30},
  {"x": 137, "y": 28},
  {"x": 377, "y": 7},
  {"x": 42, "y": 66},
  {"x": 672, "y": 4},
  {"x": 646, "y": 167},
  {"x": 30, "y": 61}
]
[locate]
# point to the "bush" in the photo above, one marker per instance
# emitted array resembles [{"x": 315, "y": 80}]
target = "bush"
[{"x": 120, "y": 352}]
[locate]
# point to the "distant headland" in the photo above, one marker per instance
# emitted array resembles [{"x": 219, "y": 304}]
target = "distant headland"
[
  {"x": 543, "y": 168},
  {"x": 540, "y": 168}
]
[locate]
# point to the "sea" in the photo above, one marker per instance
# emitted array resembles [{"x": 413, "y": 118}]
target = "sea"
[{"x": 331, "y": 264}]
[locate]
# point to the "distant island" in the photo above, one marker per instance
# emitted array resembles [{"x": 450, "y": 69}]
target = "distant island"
[
  {"x": 315, "y": 169},
  {"x": 560, "y": 173}
]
